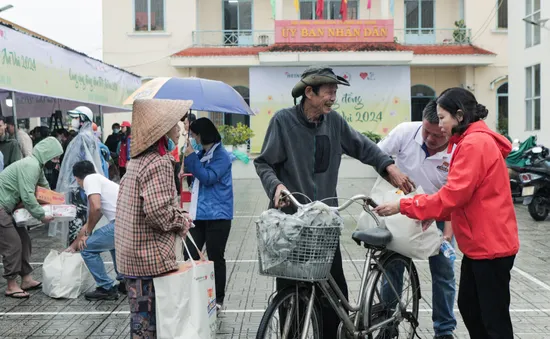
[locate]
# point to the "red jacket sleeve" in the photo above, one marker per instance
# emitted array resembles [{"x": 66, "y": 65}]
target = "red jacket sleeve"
[{"x": 465, "y": 175}]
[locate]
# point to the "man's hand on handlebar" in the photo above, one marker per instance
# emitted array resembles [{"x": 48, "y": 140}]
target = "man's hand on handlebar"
[{"x": 279, "y": 199}]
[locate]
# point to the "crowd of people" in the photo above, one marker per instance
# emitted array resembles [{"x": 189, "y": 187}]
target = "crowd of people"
[
  {"x": 452, "y": 154},
  {"x": 142, "y": 209}
]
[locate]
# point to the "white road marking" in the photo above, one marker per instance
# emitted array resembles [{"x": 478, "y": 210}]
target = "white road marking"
[
  {"x": 240, "y": 261},
  {"x": 23, "y": 314},
  {"x": 532, "y": 278}
]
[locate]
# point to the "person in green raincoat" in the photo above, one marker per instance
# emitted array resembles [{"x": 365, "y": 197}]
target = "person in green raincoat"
[{"x": 18, "y": 184}]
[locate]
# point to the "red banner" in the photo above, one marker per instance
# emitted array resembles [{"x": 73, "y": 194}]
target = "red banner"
[{"x": 330, "y": 31}]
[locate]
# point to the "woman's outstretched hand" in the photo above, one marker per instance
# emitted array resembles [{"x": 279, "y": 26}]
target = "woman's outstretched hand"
[{"x": 387, "y": 209}]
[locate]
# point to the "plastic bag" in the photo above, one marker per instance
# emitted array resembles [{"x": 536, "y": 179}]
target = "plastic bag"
[
  {"x": 278, "y": 231},
  {"x": 408, "y": 239},
  {"x": 188, "y": 312},
  {"x": 64, "y": 275},
  {"x": 22, "y": 217}
]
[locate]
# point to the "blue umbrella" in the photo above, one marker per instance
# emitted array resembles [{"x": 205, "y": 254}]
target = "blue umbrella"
[{"x": 207, "y": 95}]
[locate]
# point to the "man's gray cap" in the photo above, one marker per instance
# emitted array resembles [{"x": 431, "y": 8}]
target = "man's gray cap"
[{"x": 316, "y": 76}]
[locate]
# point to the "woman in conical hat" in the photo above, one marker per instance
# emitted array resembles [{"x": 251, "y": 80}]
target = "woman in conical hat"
[{"x": 148, "y": 218}]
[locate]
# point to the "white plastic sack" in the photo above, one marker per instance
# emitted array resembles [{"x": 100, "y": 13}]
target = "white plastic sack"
[
  {"x": 63, "y": 275},
  {"x": 22, "y": 217},
  {"x": 186, "y": 300},
  {"x": 408, "y": 239}
]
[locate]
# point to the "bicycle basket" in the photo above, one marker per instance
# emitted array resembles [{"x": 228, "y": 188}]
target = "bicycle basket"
[{"x": 310, "y": 259}]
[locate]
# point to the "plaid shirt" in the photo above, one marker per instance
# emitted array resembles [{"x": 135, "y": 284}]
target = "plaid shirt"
[{"x": 147, "y": 217}]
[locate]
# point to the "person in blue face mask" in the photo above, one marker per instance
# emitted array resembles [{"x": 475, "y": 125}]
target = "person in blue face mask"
[{"x": 211, "y": 205}]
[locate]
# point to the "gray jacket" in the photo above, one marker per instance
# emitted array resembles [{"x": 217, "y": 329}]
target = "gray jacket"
[{"x": 306, "y": 156}]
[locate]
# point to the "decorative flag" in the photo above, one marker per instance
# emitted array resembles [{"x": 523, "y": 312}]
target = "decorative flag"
[
  {"x": 297, "y": 5},
  {"x": 369, "y": 4},
  {"x": 391, "y": 7},
  {"x": 320, "y": 8},
  {"x": 344, "y": 10},
  {"x": 274, "y": 9}
]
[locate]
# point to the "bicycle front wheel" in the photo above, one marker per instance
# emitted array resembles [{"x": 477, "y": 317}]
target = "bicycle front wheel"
[
  {"x": 285, "y": 316},
  {"x": 393, "y": 299}
]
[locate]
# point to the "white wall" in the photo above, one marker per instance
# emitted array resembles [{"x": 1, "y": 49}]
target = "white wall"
[
  {"x": 147, "y": 53},
  {"x": 520, "y": 58}
]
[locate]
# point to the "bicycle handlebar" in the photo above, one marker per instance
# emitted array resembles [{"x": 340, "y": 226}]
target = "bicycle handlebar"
[{"x": 366, "y": 200}]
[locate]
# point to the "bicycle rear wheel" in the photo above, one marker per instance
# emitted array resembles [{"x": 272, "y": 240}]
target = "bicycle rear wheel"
[
  {"x": 383, "y": 301},
  {"x": 285, "y": 316}
]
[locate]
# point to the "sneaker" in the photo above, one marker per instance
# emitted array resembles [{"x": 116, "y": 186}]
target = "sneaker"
[
  {"x": 121, "y": 287},
  {"x": 445, "y": 336},
  {"x": 102, "y": 294},
  {"x": 219, "y": 307}
]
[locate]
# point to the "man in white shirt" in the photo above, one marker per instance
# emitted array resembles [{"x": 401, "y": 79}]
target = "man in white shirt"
[
  {"x": 421, "y": 152},
  {"x": 102, "y": 197}
]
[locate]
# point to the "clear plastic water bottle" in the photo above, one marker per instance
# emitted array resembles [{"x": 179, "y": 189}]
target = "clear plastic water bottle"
[{"x": 448, "y": 250}]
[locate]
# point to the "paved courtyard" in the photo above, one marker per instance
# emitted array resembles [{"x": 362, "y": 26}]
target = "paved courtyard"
[{"x": 247, "y": 292}]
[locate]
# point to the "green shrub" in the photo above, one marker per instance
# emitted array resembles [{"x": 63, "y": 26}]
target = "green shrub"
[{"x": 373, "y": 136}]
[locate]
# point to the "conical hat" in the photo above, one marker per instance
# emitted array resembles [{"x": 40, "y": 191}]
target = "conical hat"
[{"x": 152, "y": 119}]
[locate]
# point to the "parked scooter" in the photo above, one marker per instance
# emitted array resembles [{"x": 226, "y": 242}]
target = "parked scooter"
[
  {"x": 531, "y": 157},
  {"x": 535, "y": 183}
]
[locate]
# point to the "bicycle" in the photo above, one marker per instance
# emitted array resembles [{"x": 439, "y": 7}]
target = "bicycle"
[{"x": 376, "y": 311}]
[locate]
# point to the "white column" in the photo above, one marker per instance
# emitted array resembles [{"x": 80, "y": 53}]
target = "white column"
[
  {"x": 384, "y": 9},
  {"x": 279, "y": 9}
]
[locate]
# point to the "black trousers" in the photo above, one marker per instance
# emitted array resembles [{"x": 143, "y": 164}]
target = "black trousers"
[
  {"x": 484, "y": 297},
  {"x": 330, "y": 318},
  {"x": 215, "y": 234}
]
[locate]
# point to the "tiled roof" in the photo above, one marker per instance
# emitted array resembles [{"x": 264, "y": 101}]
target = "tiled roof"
[
  {"x": 220, "y": 51},
  {"x": 389, "y": 47},
  {"x": 447, "y": 50}
]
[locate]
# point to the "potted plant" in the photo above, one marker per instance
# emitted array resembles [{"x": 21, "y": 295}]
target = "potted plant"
[
  {"x": 241, "y": 135},
  {"x": 373, "y": 136},
  {"x": 228, "y": 138},
  {"x": 460, "y": 34}
]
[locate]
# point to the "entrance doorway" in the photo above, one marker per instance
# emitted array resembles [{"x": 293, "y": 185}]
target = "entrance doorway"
[{"x": 420, "y": 97}]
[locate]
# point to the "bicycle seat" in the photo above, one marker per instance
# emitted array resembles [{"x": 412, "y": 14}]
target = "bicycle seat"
[{"x": 373, "y": 237}]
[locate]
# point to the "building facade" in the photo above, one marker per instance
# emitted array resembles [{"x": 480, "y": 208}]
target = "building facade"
[
  {"x": 436, "y": 43},
  {"x": 529, "y": 55}
]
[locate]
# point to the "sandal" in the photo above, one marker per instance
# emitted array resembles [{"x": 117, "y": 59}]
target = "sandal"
[
  {"x": 32, "y": 288},
  {"x": 17, "y": 295}
]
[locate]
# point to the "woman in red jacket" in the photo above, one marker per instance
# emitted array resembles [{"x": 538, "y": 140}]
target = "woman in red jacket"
[{"x": 478, "y": 200}]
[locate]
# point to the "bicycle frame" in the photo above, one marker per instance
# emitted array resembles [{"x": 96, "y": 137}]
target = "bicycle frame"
[{"x": 339, "y": 303}]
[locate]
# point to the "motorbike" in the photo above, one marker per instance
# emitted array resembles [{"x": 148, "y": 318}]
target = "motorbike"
[
  {"x": 535, "y": 182},
  {"x": 533, "y": 156}
]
